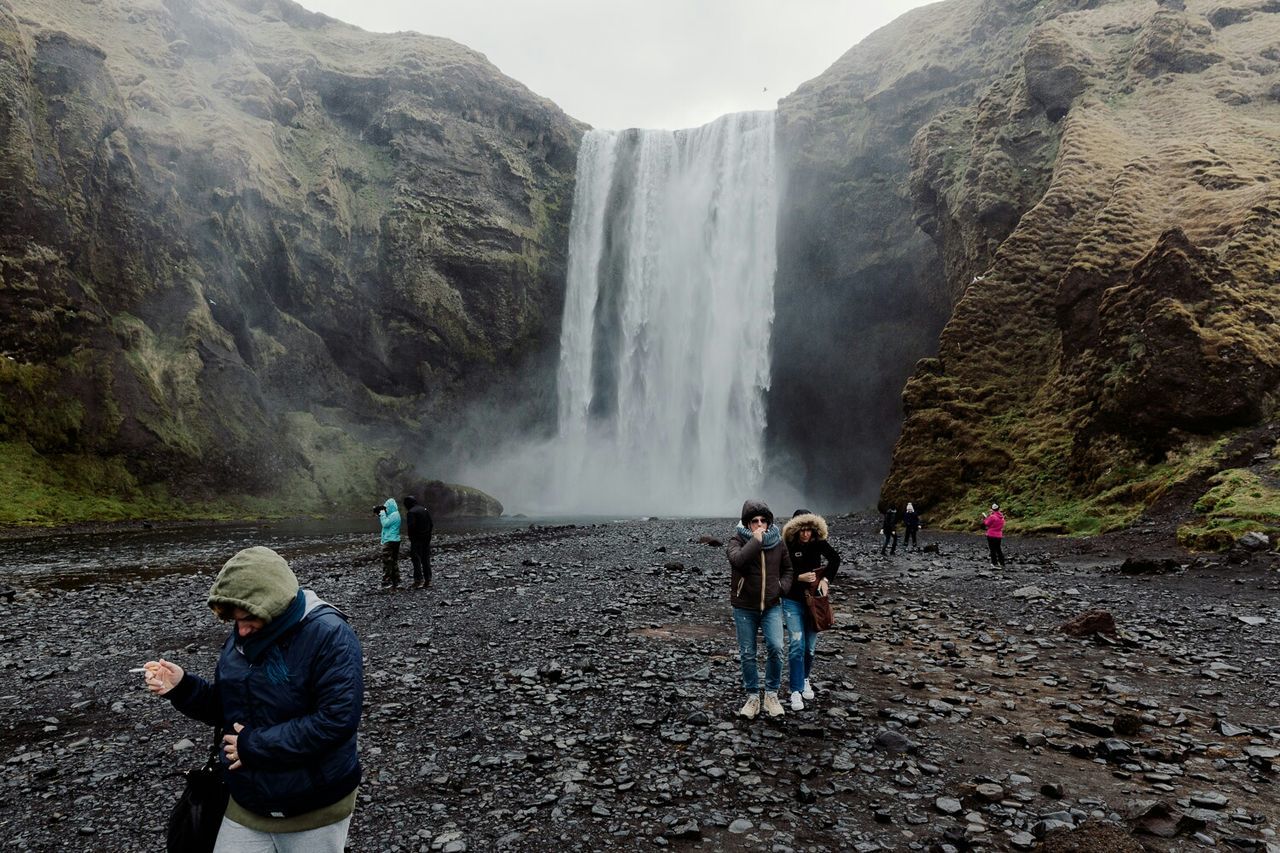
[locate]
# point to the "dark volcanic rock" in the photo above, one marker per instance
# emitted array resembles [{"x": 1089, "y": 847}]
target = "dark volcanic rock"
[
  {"x": 1089, "y": 623},
  {"x": 500, "y": 710}
]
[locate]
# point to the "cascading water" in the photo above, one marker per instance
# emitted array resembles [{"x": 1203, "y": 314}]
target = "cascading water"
[{"x": 664, "y": 356}]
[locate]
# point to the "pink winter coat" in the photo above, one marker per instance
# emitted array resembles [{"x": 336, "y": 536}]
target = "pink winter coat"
[{"x": 995, "y": 524}]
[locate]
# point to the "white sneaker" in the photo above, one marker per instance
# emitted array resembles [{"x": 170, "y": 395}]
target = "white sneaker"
[
  {"x": 797, "y": 704},
  {"x": 807, "y": 693},
  {"x": 751, "y": 708},
  {"x": 772, "y": 706}
]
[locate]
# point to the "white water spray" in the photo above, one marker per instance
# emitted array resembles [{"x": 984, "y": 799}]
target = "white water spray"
[{"x": 664, "y": 358}]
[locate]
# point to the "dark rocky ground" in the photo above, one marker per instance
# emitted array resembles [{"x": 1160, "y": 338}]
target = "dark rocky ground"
[{"x": 573, "y": 688}]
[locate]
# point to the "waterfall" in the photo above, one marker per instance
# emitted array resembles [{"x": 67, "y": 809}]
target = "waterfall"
[{"x": 664, "y": 349}]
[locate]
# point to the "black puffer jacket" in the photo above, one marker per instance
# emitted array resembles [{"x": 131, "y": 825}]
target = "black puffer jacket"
[
  {"x": 759, "y": 576},
  {"x": 816, "y": 555},
  {"x": 299, "y": 741}
]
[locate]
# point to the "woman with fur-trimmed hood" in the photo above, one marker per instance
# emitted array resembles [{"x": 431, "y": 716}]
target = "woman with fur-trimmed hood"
[{"x": 816, "y": 564}]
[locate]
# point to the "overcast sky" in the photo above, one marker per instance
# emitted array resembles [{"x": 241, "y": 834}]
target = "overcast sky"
[{"x": 642, "y": 63}]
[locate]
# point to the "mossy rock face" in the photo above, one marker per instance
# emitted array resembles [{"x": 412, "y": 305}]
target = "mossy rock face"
[
  {"x": 218, "y": 216},
  {"x": 1120, "y": 318},
  {"x": 873, "y": 248}
]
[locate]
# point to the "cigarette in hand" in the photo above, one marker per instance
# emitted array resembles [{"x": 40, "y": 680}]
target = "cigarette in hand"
[{"x": 139, "y": 669}]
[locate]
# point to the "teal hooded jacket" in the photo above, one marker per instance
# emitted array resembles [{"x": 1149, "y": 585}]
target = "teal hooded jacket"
[{"x": 390, "y": 522}]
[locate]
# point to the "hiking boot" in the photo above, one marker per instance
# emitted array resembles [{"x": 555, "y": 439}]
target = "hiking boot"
[
  {"x": 797, "y": 704},
  {"x": 751, "y": 708},
  {"x": 807, "y": 693},
  {"x": 772, "y": 706}
]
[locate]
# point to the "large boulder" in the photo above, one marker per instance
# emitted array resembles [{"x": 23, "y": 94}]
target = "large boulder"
[{"x": 450, "y": 499}]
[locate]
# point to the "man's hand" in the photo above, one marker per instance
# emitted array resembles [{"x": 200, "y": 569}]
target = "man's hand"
[
  {"x": 807, "y": 577},
  {"x": 231, "y": 748},
  {"x": 758, "y": 534},
  {"x": 161, "y": 676}
]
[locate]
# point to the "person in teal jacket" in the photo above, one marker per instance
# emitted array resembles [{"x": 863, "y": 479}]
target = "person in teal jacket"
[{"x": 389, "y": 515}]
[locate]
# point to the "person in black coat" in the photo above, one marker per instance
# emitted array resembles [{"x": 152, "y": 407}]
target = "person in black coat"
[
  {"x": 287, "y": 692},
  {"x": 890, "y": 530},
  {"x": 911, "y": 524},
  {"x": 815, "y": 563},
  {"x": 420, "y": 528}
]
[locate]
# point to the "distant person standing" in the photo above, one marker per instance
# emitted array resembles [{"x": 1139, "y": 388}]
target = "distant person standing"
[
  {"x": 910, "y": 524},
  {"x": 389, "y": 515},
  {"x": 994, "y": 522},
  {"x": 815, "y": 563},
  {"x": 890, "y": 530},
  {"x": 760, "y": 574},
  {"x": 420, "y": 527}
]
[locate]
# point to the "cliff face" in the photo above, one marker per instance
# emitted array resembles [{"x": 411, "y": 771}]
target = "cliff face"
[
  {"x": 246, "y": 249},
  {"x": 866, "y": 279},
  {"x": 1106, "y": 210}
]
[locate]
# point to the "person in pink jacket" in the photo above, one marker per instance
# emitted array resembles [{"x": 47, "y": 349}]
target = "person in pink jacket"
[{"x": 994, "y": 522}]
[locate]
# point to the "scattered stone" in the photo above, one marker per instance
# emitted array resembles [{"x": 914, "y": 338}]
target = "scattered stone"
[
  {"x": 1254, "y": 540},
  {"x": 948, "y": 805},
  {"x": 1149, "y": 565},
  {"x": 1209, "y": 800},
  {"x": 1089, "y": 623}
]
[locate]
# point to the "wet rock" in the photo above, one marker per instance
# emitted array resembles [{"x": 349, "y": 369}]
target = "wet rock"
[
  {"x": 1148, "y": 565},
  {"x": 894, "y": 742},
  {"x": 1089, "y": 623},
  {"x": 948, "y": 805},
  {"x": 1209, "y": 800},
  {"x": 1254, "y": 540},
  {"x": 989, "y": 792}
]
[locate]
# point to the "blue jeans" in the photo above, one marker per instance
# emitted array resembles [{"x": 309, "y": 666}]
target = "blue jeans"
[
  {"x": 804, "y": 639},
  {"x": 748, "y": 622}
]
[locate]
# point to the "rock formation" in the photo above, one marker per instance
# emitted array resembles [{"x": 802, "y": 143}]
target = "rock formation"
[
  {"x": 1128, "y": 320},
  {"x": 1099, "y": 183},
  {"x": 247, "y": 249},
  {"x": 863, "y": 288}
]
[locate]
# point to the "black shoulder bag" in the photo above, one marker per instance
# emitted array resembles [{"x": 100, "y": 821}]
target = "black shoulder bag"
[{"x": 196, "y": 817}]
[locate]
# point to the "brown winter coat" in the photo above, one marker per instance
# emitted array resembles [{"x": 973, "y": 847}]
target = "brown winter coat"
[{"x": 759, "y": 578}]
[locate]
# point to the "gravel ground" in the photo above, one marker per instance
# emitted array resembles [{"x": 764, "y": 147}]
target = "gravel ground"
[{"x": 574, "y": 688}]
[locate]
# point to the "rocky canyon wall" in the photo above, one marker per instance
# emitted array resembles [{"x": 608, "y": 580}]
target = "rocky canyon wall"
[
  {"x": 1082, "y": 197},
  {"x": 249, "y": 250},
  {"x": 1106, "y": 212}
]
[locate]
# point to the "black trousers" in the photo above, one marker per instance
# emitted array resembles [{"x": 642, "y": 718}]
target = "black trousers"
[
  {"x": 997, "y": 556},
  {"x": 890, "y": 541},
  {"x": 909, "y": 538},
  {"x": 420, "y": 554}
]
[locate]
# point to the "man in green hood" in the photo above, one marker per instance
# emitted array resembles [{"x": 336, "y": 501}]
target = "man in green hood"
[{"x": 287, "y": 695}]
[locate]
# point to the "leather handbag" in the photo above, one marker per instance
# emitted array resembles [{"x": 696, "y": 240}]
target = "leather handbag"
[
  {"x": 196, "y": 817},
  {"x": 820, "y": 609}
]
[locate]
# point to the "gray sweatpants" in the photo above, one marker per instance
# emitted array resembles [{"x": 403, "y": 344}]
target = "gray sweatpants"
[{"x": 234, "y": 838}]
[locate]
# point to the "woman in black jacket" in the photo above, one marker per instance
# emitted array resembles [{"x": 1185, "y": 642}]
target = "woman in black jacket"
[{"x": 816, "y": 564}]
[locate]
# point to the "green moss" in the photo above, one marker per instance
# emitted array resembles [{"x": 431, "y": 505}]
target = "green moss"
[
  {"x": 1240, "y": 501},
  {"x": 46, "y": 490}
]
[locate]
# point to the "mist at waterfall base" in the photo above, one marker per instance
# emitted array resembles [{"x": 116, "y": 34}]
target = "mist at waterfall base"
[{"x": 665, "y": 338}]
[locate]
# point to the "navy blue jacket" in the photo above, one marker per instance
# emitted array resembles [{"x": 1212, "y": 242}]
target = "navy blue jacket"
[{"x": 298, "y": 747}]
